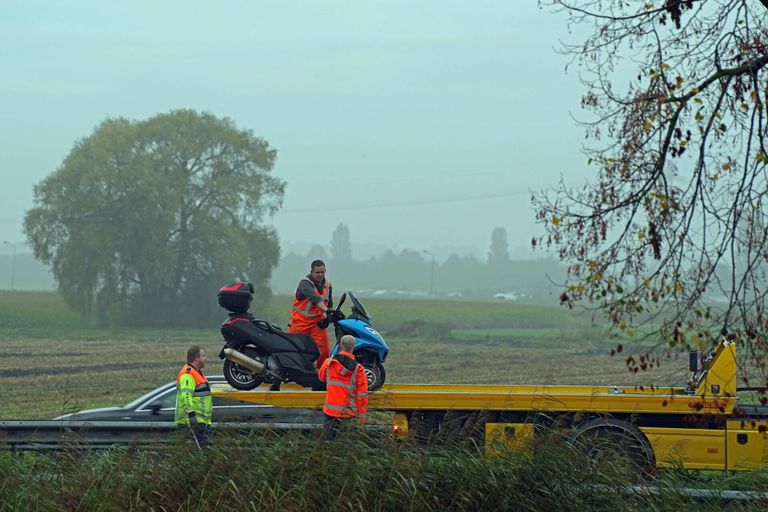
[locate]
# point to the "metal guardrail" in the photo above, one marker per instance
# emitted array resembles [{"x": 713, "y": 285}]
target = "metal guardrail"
[
  {"x": 19, "y": 435},
  {"x": 698, "y": 494}
]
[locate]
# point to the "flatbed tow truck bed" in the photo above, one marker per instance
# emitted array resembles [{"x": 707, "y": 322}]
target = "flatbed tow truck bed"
[{"x": 700, "y": 426}]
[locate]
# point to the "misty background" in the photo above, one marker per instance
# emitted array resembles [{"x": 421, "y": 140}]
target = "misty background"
[{"x": 421, "y": 127}]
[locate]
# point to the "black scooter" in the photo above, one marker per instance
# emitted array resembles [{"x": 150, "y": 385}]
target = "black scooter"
[{"x": 257, "y": 351}]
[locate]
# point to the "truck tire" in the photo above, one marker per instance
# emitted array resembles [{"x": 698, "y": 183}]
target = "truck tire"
[{"x": 614, "y": 445}]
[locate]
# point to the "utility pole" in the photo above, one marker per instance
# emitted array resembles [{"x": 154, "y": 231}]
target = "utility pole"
[{"x": 13, "y": 264}]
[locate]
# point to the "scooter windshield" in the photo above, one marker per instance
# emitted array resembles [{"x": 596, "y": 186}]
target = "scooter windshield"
[{"x": 358, "y": 311}]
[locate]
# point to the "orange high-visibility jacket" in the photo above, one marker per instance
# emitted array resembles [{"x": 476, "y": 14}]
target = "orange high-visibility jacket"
[
  {"x": 347, "y": 387},
  {"x": 304, "y": 314}
]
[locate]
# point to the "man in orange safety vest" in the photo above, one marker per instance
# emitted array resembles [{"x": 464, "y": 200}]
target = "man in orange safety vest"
[
  {"x": 346, "y": 397},
  {"x": 313, "y": 298}
]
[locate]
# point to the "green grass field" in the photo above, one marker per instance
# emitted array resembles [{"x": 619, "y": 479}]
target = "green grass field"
[{"x": 52, "y": 363}]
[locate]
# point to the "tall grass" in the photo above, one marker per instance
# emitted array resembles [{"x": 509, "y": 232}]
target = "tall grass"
[{"x": 297, "y": 473}]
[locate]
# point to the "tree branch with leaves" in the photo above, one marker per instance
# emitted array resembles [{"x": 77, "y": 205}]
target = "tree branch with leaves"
[{"x": 669, "y": 238}]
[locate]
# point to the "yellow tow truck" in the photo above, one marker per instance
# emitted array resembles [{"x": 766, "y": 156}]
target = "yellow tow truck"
[{"x": 700, "y": 426}]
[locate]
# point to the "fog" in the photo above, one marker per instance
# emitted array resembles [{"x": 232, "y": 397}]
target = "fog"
[{"x": 420, "y": 125}]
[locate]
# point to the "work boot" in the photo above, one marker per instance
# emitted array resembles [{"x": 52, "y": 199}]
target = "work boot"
[{"x": 275, "y": 386}]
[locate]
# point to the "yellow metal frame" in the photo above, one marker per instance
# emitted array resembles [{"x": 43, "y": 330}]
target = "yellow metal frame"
[
  {"x": 715, "y": 394},
  {"x": 409, "y": 397},
  {"x": 694, "y": 448}
]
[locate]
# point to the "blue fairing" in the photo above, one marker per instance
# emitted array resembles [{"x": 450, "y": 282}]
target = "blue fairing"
[{"x": 366, "y": 338}]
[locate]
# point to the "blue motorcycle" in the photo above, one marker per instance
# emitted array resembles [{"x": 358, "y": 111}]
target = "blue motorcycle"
[{"x": 370, "y": 348}]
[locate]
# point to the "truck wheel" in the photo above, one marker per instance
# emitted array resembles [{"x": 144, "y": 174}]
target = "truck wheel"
[{"x": 614, "y": 445}]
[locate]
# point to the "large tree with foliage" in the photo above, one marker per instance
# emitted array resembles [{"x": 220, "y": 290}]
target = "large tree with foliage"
[
  {"x": 146, "y": 219},
  {"x": 671, "y": 230}
]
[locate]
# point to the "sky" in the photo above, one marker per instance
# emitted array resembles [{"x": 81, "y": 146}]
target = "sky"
[{"x": 421, "y": 125}]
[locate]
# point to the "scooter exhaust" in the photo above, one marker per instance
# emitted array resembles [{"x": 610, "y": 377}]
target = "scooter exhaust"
[{"x": 243, "y": 360}]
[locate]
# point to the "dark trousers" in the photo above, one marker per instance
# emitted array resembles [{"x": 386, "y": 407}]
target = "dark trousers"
[
  {"x": 332, "y": 426},
  {"x": 198, "y": 433}
]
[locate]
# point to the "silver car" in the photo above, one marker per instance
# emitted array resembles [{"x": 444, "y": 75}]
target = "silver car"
[{"x": 160, "y": 405}]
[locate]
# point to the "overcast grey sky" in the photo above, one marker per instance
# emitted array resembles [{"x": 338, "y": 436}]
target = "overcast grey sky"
[{"x": 418, "y": 124}]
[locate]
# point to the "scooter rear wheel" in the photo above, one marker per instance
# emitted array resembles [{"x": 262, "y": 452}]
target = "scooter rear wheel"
[{"x": 240, "y": 378}]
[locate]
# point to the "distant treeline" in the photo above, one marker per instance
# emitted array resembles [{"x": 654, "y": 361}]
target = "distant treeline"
[{"x": 414, "y": 273}]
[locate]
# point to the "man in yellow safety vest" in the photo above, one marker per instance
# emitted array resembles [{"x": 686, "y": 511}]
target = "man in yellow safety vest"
[{"x": 194, "y": 404}]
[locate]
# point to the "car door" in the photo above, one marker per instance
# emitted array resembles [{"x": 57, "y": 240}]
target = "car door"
[{"x": 161, "y": 408}]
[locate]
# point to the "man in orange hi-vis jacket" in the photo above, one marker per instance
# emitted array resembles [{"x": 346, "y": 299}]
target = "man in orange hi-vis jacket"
[
  {"x": 313, "y": 298},
  {"x": 346, "y": 389}
]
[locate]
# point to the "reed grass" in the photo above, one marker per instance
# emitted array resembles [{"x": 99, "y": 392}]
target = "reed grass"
[{"x": 362, "y": 472}]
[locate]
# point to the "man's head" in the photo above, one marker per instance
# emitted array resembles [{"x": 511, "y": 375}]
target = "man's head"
[
  {"x": 196, "y": 357},
  {"x": 317, "y": 271},
  {"x": 347, "y": 343}
]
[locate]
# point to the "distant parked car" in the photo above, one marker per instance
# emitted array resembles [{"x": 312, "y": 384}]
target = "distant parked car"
[{"x": 160, "y": 405}]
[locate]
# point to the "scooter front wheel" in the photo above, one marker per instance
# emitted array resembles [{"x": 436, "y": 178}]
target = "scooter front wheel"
[
  {"x": 375, "y": 373},
  {"x": 239, "y": 377}
]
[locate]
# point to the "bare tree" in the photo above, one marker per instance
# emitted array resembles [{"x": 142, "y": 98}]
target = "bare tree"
[{"x": 676, "y": 97}]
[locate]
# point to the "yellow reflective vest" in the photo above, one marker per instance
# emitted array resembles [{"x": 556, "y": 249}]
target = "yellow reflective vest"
[{"x": 193, "y": 396}]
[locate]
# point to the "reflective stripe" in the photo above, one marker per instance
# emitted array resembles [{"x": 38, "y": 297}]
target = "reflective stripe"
[
  {"x": 351, "y": 386},
  {"x": 342, "y": 408},
  {"x": 305, "y": 311}
]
